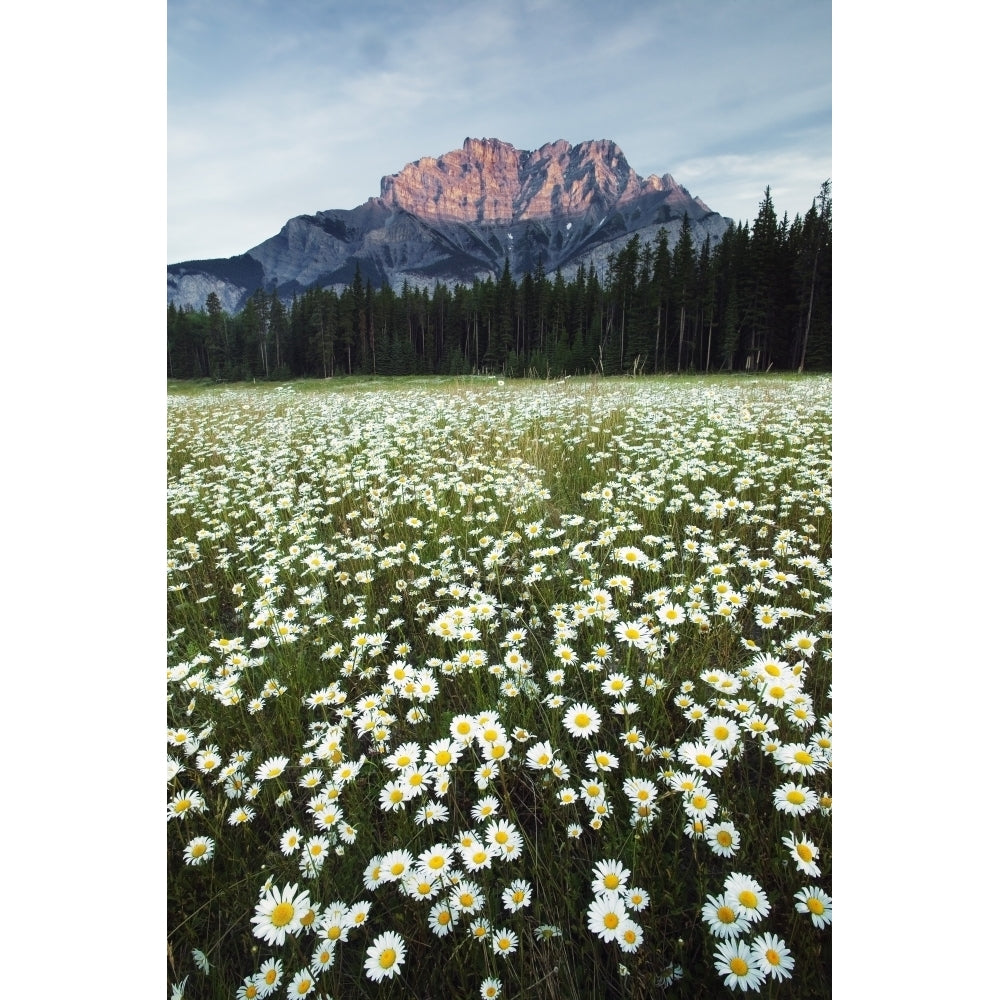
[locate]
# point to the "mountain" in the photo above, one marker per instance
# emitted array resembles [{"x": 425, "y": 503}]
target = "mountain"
[{"x": 462, "y": 216}]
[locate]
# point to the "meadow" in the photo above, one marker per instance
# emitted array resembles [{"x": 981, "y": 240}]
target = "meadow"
[{"x": 486, "y": 689}]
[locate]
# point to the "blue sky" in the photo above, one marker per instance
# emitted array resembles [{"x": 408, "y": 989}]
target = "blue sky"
[{"x": 276, "y": 109}]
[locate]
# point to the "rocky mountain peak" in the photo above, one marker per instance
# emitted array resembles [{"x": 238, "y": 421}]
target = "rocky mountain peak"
[
  {"x": 460, "y": 217},
  {"x": 488, "y": 181}
]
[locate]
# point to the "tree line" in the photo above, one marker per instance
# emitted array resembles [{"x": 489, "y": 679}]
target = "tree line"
[{"x": 759, "y": 299}]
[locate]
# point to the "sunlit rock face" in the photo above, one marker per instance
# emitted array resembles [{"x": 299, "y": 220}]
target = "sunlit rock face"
[
  {"x": 489, "y": 181},
  {"x": 462, "y": 217}
]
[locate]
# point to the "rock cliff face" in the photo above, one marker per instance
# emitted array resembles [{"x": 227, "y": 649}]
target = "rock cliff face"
[{"x": 459, "y": 217}]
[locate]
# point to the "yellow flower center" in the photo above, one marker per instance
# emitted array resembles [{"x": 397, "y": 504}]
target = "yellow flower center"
[
  {"x": 309, "y": 917},
  {"x": 397, "y": 868},
  {"x": 772, "y": 956},
  {"x": 771, "y": 669},
  {"x": 611, "y": 920},
  {"x": 738, "y": 966},
  {"x": 282, "y": 914},
  {"x": 444, "y": 918},
  {"x": 270, "y": 976},
  {"x": 801, "y": 757},
  {"x": 442, "y": 757},
  {"x": 748, "y": 899},
  {"x": 198, "y": 850},
  {"x": 334, "y": 931},
  {"x": 703, "y": 760},
  {"x": 611, "y": 881},
  {"x": 437, "y": 861},
  {"x": 804, "y": 852},
  {"x": 724, "y": 838},
  {"x": 581, "y": 720},
  {"x": 699, "y": 802},
  {"x": 796, "y": 797},
  {"x": 182, "y": 806},
  {"x": 387, "y": 959},
  {"x": 721, "y": 733},
  {"x": 726, "y": 915},
  {"x": 815, "y": 906}
]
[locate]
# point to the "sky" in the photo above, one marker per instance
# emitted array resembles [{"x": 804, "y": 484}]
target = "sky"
[{"x": 278, "y": 108}]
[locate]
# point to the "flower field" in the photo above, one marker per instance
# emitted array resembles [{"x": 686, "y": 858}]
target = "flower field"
[{"x": 513, "y": 690}]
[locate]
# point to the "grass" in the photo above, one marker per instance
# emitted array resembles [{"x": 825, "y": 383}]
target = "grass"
[{"x": 355, "y": 565}]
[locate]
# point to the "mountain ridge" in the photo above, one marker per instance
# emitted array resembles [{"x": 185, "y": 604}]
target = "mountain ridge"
[{"x": 460, "y": 217}]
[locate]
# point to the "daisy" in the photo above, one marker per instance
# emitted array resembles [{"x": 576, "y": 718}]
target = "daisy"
[
  {"x": 184, "y": 803},
  {"x": 517, "y": 895},
  {"x": 636, "y": 899},
  {"x": 601, "y": 760},
  {"x": 241, "y": 815},
  {"x": 816, "y": 903},
  {"x": 795, "y": 799},
  {"x": 466, "y": 897},
  {"x": 736, "y": 963},
  {"x": 490, "y": 988},
  {"x": 435, "y": 861},
  {"x": 629, "y": 936},
  {"x": 721, "y": 733},
  {"x": 505, "y": 839},
  {"x": 480, "y": 929},
  {"x": 640, "y": 791},
  {"x": 540, "y": 756},
  {"x": 385, "y": 956},
  {"x": 504, "y": 942},
  {"x": 269, "y": 977},
  {"x": 702, "y": 757},
  {"x": 443, "y": 753},
  {"x": 316, "y": 849},
  {"x": 803, "y": 643},
  {"x": 199, "y": 851},
  {"x": 322, "y": 957},
  {"x": 280, "y": 913},
  {"x": 605, "y": 916},
  {"x": 723, "y": 839},
  {"x": 701, "y": 803},
  {"x": 440, "y": 919},
  {"x": 804, "y": 853},
  {"x": 634, "y": 633},
  {"x": 396, "y": 864},
  {"x": 546, "y": 932},
  {"x": 485, "y": 807},
  {"x": 724, "y": 920},
  {"x": 357, "y": 915},
  {"x": 610, "y": 878},
  {"x": 616, "y": 685},
  {"x": 477, "y": 856},
  {"x": 773, "y": 957},
  {"x": 746, "y": 893},
  {"x": 393, "y": 796},
  {"x": 271, "y": 768},
  {"x": 795, "y": 758},
  {"x": 250, "y": 990}
]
